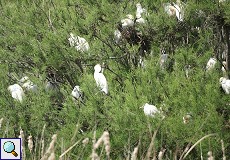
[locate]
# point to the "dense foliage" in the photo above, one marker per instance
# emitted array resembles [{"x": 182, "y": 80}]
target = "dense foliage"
[{"x": 34, "y": 42}]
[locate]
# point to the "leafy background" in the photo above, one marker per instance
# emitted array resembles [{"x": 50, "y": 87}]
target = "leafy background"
[{"x": 34, "y": 42}]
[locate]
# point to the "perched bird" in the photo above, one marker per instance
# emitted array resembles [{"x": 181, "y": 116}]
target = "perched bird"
[
  {"x": 163, "y": 59},
  {"x": 173, "y": 9},
  {"x": 117, "y": 36},
  {"x": 128, "y": 21},
  {"x": 150, "y": 110},
  {"x": 139, "y": 12},
  {"x": 211, "y": 64},
  {"x": 16, "y": 92},
  {"x": 76, "y": 93},
  {"x": 79, "y": 43},
  {"x": 100, "y": 79},
  {"x": 27, "y": 84},
  {"x": 225, "y": 84}
]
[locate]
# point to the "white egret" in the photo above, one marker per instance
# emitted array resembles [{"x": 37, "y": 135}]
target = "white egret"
[
  {"x": 117, "y": 36},
  {"x": 174, "y": 10},
  {"x": 16, "y": 92},
  {"x": 139, "y": 12},
  {"x": 76, "y": 93},
  {"x": 79, "y": 43},
  {"x": 211, "y": 64},
  {"x": 150, "y": 110},
  {"x": 128, "y": 21},
  {"x": 27, "y": 84},
  {"x": 225, "y": 84},
  {"x": 100, "y": 79}
]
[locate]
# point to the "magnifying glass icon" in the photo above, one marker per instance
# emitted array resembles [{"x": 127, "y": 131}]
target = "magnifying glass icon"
[{"x": 9, "y": 147}]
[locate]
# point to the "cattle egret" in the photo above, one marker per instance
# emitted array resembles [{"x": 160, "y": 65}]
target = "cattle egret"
[
  {"x": 211, "y": 64},
  {"x": 188, "y": 70},
  {"x": 128, "y": 21},
  {"x": 27, "y": 84},
  {"x": 16, "y": 92},
  {"x": 225, "y": 84},
  {"x": 100, "y": 79},
  {"x": 76, "y": 93},
  {"x": 187, "y": 118},
  {"x": 163, "y": 59},
  {"x": 150, "y": 110},
  {"x": 139, "y": 12},
  {"x": 174, "y": 10},
  {"x": 79, "y": 43},
  {"x": 117, "y": 36}
]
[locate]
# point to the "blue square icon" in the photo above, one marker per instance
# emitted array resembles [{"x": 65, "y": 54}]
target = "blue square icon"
[{"x": 10, "y": 149}]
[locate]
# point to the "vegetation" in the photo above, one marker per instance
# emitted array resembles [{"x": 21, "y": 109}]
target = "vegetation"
[{"x": 34, "y": 42}]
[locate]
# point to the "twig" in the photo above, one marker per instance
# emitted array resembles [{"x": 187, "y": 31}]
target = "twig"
[
  {"x": 223, "y": 149},
  {"x": 147, "y": 157},
  {"x": 69, "y": 149},
  {"x": 198, "y": 143}
]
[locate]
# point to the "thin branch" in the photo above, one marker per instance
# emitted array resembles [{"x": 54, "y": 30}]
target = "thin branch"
[
  {"x": 209, "y": 135},
  {"x": 69, "y": 149}
]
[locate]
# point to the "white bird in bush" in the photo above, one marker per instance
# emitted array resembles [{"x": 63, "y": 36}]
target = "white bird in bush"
[
  {"x": 225, "y": 84},
  {"x": 128, "y": 21},
  {"x": 76, "y": 93},
  {"x": 139, "y": 12},
  {"x": 100, "y": 79},
  {"x": 117, "y": 36},
  {"x": 27, "y": 84},
  {"x": 78, "y": 42},
  {"x": 16, "y": 92},
  {"x": 174, "y": 10},
  {"x": 211, "y": 64},
  {"x": 150, "y": 110}
]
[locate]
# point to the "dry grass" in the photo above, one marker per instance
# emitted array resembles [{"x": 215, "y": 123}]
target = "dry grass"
[{"x": 104, "y": 142}]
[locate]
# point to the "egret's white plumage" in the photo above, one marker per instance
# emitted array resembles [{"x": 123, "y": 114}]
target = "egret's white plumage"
[
  {"x": 117, "y": 36},
  {"x": 225, "y": 84},
  {"x": 211, "y": 64},
  {"x": 76, "y": 93},
  {"x": 16, "y": 92},
  {"x": 27, "y": 84},
  {"x": 174, "y": 10},
  {"x": 150, "y": 110},
  {"x": 78, "y": 42},
  {"x": 139, "y": 12},
  {"x": 128, "y": 21},
  {"x": 100, "y": 79}
]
